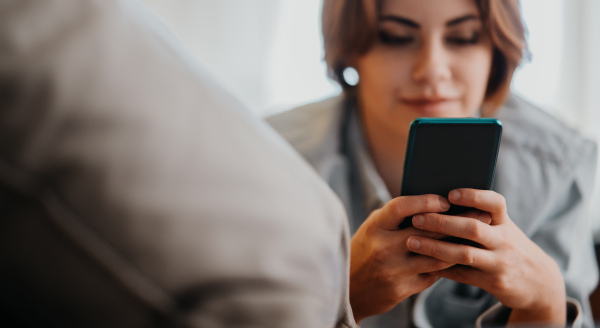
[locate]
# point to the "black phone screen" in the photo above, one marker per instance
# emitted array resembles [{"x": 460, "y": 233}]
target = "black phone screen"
[{"x": 445, "y": 154}]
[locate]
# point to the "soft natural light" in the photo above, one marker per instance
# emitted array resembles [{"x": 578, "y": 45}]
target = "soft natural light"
[
  {"x": 537, "y": 80},
  {"x": 296, "y": 73},
  {"x": 269, "y": 54}
]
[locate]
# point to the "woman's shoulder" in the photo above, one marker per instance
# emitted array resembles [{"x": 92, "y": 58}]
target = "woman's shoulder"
[
  {"x": 545, "y": 168},
  {"x": 529, "y": 129},
  {"x": 311, "y": 128}
]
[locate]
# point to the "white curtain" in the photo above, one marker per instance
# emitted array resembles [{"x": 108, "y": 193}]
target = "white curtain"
[
  {"x": 580, "y": 78},
  {"x": 269, "y": 54}
]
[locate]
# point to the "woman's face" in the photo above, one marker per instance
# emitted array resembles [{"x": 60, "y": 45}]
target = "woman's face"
[{"x": 432, "y": 59}]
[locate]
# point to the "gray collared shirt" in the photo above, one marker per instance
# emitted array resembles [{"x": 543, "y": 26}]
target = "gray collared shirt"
[{"x": 545, "y": 172}]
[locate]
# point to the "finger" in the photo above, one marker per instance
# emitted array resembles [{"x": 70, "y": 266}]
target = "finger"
[
  {"x": 464, "y": 274},
  {"x": 420, "y": 264},
  {"x": 450, "y": 252},
  {"x": 456, "y": 226},
  {"x": 485, "y": 200},
  {"x": 421, "y": 233},
  {"x": 420, "y": 282},
  {"x": 394, "y": 212},
  {"x": 482, "y": 216}
]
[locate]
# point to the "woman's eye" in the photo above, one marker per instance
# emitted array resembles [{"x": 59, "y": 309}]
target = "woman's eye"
[
  {"x": 390, "y": 39},
  {"x": 463, "y": 40}
]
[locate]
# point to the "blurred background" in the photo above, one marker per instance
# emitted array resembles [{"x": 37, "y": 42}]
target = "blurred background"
[{"x": 268, "y": 53}]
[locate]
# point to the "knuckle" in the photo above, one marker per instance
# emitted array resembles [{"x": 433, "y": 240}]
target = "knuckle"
[
  {"x": 386, "y": 280},
  {"x": 475, "y": 197},
  {"x": 501, "y": 203},
  {"x": 428, "y": 280},
  {"x": 374, "y": 213},
  {"x": 396, "y": 206},
  {"x": 502, "y": 199},
  {"x": 431, "y": 223},
  {"x": 474, "y": 229},
  {"x": 370, "y": 226},
  {"x": 434, "y": 235},
  {"x": 379, "y": 253},
  {"x": 433, "y": 203},
  {"x": 429, "y": 201},
  {"x": 398, "y": 293},
  {"x": 503, "y": 264},
  {"x": 500, "y": 283},
  {"x": 385, "y": 277},
  {"x": 455, "y": 273},
  {"x": 468, "y": 257},
  {"x": 395, "y": 295},
  {"x": 433, "y": 249},
  {"x": 384, "y": 250},
  {"x": 438, "y": 222},
  {"x": 450, "y": 273},
  {"x": 437, "y": 265}
]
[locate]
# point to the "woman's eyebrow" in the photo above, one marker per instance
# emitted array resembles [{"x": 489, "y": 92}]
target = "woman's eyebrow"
[
  {"x": 413, "y": 24},
  {"x": 399, "y": 20},
  {"x": 459, "y": 20}
]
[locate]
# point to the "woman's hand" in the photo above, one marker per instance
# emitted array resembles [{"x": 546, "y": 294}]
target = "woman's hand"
[
  {"x": 382, "y": 270},
  {"x": 508, "y": 265}
]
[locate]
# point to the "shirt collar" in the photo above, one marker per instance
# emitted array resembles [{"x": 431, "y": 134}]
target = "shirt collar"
[{"x": 375, "y": 191}]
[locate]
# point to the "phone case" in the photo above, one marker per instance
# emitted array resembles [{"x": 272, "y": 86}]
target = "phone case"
[{"x": 468, "y": 150}]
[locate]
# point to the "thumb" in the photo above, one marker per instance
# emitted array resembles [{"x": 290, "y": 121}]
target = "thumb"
[{"x": 396, "y": 210}]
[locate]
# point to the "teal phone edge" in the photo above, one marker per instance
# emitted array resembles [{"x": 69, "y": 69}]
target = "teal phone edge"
[{"x": 426, "y": 120}]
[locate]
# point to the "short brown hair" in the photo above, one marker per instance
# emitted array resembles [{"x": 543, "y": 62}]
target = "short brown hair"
[{"x": 350, "y": 29}]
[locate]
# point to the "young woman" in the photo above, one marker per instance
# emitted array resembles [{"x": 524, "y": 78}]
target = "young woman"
[{"x": 448, "y": 58}]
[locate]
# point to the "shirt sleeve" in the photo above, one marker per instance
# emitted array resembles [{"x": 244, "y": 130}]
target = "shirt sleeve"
[
  {"x": 498, "y": 315},
  {"x": 566, "y": 233}
]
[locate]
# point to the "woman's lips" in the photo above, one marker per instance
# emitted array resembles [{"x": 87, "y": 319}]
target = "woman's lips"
[{"x": 430, "y": 106}]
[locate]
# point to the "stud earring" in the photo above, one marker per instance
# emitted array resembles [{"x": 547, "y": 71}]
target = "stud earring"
[{"x": 351, "y": 76}]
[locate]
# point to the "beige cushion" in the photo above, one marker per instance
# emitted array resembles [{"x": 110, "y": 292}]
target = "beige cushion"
[{"x": 134, "y": 191}]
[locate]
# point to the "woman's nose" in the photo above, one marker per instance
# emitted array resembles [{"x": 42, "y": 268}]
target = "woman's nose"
[{"x": 432, "y": 64}]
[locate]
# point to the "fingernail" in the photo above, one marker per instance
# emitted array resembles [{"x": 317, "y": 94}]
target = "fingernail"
[
  {"x": 454, "y": 195},
  {"x": 414, "y": 243},
  {"x": 444, "y": 204},
  {"x": 485, "y": 218},
  {"x": 418, "y": 220}
]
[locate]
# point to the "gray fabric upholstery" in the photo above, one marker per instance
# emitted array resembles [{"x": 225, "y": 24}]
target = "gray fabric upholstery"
[{"x": 134, "y": 192}]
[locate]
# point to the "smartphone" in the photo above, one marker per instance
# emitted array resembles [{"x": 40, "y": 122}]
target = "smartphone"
[{"x": 443, "y": 154}]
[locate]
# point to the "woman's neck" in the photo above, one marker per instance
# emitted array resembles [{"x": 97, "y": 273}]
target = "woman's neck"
[{"x": 387, "y": 148}]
